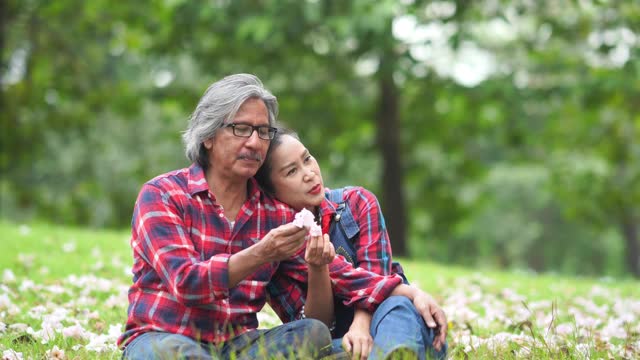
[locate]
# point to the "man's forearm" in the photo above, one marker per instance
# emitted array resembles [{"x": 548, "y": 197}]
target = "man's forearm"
[{"x": 244, "y": 263}]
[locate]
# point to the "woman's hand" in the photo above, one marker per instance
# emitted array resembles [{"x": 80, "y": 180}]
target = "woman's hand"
[
  {"x": 358, "y": 342},
  {"x": 320, "y": 251},
  {"x": 431, "y": 312},
  {"x": 433, "y": 315}
]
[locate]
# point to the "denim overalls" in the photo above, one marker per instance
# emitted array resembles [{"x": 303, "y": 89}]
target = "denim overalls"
[{"x": 343, "y": 231}]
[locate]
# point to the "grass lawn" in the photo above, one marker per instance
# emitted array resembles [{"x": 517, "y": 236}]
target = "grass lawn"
[{"x": 63, "y": 296}]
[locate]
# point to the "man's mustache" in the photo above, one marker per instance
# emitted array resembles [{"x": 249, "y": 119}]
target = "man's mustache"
[{"x": 250, "y": 156}]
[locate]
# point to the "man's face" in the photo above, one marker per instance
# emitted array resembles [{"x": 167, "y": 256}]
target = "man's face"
[{"x": 239, "y": 157}]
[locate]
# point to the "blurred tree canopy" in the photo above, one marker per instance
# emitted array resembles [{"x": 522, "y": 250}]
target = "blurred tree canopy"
[{"x": 497, "y": 133}]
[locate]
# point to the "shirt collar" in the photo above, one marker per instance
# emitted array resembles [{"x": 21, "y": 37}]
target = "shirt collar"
[
  {"x": 326, "y": 206},
  {"x": 253, "y": 190},
  {"x": 197, "y": 181}
]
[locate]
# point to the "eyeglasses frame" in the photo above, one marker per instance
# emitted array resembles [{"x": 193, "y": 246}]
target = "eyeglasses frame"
[{"x": 271, "y": 131}]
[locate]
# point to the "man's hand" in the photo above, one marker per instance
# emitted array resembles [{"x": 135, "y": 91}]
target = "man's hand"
[
  {"x": 282, "y": 242},
  {"x": 319, "y": 251},
  {"x": 433, "y": 315},
  {"x": 357, "y": 342}
]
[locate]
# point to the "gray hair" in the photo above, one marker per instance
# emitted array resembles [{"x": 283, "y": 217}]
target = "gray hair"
[{"x": 219, "y": 103}]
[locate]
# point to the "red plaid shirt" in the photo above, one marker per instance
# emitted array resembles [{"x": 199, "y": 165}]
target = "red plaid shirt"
[
  {"x": 372, "y": 245},
  {"x": 181, "y": 245}
]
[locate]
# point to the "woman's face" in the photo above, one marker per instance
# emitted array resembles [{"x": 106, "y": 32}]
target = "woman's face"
[{"x": 295, "y": 174}]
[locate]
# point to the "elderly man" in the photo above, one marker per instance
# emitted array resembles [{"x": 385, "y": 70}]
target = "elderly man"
[{"x": 210, "y": 248}]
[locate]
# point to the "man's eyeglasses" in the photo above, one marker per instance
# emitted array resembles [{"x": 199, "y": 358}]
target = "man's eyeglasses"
[{"x": 245, "y": 130}]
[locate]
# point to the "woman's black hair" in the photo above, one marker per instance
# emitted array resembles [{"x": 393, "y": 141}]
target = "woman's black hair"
[{"x": 263, "y": 176}]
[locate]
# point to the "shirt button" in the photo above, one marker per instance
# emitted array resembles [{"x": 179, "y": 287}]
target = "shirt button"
[{"x": 221, "y": 215}]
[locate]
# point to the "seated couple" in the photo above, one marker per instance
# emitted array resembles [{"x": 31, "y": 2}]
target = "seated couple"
[{"x": 211, "y": 247}]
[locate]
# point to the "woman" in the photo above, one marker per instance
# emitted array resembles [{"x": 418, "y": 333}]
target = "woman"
[{"x": 352, "y": 218}]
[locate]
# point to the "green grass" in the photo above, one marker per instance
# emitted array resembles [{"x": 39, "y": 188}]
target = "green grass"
[
  {"x": 535, "y": 286},
  {"x": 55, "y": 277},
  {"x": 85, "y": 251},
  {"x": 44, "y": 259}
]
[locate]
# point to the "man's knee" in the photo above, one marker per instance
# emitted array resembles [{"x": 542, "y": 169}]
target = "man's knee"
[
  {"x": 316, "y": 334},
  {"x": 156, "y": 345},
  {"x": 397, "y": 303},
  {"x": 316, "y": 329},
  {"x": 396, "y": 313}
]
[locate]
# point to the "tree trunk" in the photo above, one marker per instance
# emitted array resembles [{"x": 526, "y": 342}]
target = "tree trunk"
[
  {"x": 630, "y": 232},
  {"x": 388, "y": 124},
  {"x": 4, "y": 117},
  {"x": 3, "y": 36}
]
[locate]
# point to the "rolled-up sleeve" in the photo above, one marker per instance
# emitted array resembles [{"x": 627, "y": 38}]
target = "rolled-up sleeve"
[{"x": 358, "y": 287}]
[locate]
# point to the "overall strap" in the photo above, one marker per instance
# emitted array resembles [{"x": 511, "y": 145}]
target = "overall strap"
[{"x": 343, "y": 228}]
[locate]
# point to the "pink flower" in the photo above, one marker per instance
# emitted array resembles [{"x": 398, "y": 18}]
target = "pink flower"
[
  {"x": 315, "y": 230},
  {"x": 11, "y": 355},
  {"x": 55, "y": 354},
  {"x": 305, "y": 218},
  {"x": 75, "y": 331}
]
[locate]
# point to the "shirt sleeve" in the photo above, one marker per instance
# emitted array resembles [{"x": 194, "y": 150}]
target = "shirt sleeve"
[
  {"x": 359, "y": 287},
  {"x": 373, "y": 248},
  {"x": 288, "y": 288},
  {"x": 161, "y": 239}
]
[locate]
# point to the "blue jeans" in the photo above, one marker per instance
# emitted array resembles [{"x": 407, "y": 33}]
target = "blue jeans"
[
  {"x": 397, "y": 324},
  {"x": 307, "y": 338}
]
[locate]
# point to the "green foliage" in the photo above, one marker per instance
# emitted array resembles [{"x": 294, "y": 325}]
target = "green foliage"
[{"x": 528, "y": 158}]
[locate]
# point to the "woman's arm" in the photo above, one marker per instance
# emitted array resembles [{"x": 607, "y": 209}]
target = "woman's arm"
[
  {"x": 358, "y": 340},
  {"x": 319, "y": 302}
]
